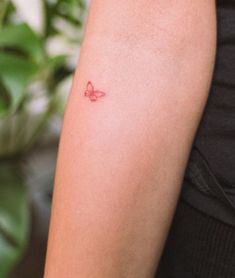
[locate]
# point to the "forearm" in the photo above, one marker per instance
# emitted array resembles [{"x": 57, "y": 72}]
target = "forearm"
[{"x": 122, "y": 157}]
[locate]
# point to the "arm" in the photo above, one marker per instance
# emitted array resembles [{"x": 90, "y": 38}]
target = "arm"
[{"x": 122, "y": 158}]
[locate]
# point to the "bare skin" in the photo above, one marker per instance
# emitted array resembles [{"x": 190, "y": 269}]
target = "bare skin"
[{"x": 122, "y": 157}]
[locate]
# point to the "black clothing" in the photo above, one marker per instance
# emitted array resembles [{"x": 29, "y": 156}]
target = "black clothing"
[
  {"x": 198, "y": 246},
  {"x": 215, "y": 138},
  {"x": 213, "y": 152},
  {"x": 201, "y": 241}
]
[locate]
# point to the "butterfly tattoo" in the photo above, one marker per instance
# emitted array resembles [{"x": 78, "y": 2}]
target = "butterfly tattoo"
[{"x": 92, "y": 93}]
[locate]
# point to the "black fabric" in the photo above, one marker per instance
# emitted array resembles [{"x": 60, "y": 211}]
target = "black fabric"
[
  {"x": 198, "y": 246},
  {"x": 215, "y": 137},
  {"x": 202, "y": 190},
  {"x": 209, "y": 182},
  {"x": 201, "y": 240}
]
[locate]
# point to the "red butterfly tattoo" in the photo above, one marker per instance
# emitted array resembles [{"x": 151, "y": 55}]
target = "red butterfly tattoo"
[{"x": 92, "y": 93}]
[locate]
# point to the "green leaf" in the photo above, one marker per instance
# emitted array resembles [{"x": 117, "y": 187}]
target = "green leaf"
[
  {"x": 4, "y": 100},
  {"x": 3, "y": 106},
  {"x": 56, "y": 61},
  {"x": 16, "y": 73},
  {"x": 14, "y": 217},
  {"x": 22, "y": 37}
]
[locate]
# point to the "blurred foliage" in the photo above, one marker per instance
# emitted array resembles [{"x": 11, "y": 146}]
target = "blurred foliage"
[
  {"x": 38, "y": 52},
  {"x": 14, "y": 217}
]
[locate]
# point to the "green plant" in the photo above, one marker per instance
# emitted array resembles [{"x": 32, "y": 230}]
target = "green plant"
[{"x": 31, "y": 71}]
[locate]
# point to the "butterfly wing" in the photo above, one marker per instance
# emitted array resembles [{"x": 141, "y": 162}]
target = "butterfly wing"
[
  {"x": 99, "y": 93},
  {"x": 89, "y": 89},
  {"x": 93, "y": 97}
]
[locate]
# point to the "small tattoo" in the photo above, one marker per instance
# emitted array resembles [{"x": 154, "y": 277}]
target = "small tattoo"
[{"x": 92, "y": 93}]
